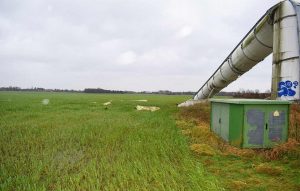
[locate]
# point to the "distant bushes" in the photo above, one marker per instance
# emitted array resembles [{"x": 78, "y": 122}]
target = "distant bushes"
[
  {"x": 99, "y": 90},
  {"x": 252, "y": 94},
  {"x": 35, "y": 89}
]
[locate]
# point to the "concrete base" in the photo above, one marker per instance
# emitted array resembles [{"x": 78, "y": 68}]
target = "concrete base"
[{"x": 191, "y": 102}]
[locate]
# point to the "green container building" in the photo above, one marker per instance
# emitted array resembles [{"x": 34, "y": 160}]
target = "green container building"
[{"x": 250, "y": 123}]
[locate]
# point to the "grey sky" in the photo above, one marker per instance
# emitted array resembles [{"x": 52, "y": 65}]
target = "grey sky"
[{"x": 125, "y": 44}]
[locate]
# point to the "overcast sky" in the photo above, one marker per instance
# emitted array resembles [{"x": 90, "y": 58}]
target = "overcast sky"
[{"x": 125, "y": 44}]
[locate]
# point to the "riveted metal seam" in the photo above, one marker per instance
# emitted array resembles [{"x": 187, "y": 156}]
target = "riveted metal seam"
[
  {"x": 234, "y": 69},
  {"x": 260, "y": 42},
  {"x": 248, "y": 56},
  {"x": 291, "y": 58},
  {"x": 282, "y": 18},
  {"x": 223, "y": 76},
  {"x": 204, "y": 94},
  {"x": 214, "y": 86}
]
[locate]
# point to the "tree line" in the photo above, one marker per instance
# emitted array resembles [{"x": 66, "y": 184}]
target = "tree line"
[
  {"x": 94, "y": 90},
  {"x": 239, "y": 94}
]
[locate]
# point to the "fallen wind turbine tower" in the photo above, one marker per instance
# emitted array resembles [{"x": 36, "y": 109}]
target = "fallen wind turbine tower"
[{"x": 277, "y": 31}]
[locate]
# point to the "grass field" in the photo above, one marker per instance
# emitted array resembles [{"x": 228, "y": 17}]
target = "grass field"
[{"x": 75, "y": 143}]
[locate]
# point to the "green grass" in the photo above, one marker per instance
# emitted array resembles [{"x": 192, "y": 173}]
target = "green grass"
[{"x": 74, "y": 143}]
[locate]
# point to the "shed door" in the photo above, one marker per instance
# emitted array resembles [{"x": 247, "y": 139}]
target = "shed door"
[
  {"x": 224, "y": 128},
  {"x": 265, "y": 125},
  {"x": 220, "y": 119},
  {"x": 254, "y": 126},
  {"x": 276, "y": 125},
  {"x": 216, "y": 118}
]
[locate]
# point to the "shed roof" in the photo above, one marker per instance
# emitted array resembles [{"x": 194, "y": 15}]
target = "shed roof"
[{"x": 251, "y": 101}]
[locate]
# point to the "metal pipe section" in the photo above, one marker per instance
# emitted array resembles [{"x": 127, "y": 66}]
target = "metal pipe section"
[
  {"x": 285, "y": 67},
  {"x": 257, "y": 45}
]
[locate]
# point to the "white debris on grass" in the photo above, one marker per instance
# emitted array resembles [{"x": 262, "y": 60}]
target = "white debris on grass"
[
  {"x": 45, "y": 101},
  {"x": 147, "y": 108},
  {"x": 141, "y": 100},
  {"x": 107, "y": 103}
]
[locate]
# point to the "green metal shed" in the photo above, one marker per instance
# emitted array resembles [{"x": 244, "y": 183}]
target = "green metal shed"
[{"x": 250, "y": 123}]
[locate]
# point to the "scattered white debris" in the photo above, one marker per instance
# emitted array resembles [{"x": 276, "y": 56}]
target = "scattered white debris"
[
  {"x": 141, "y": 100},
  {"x": 107, "y": 103},
  {"x": 45, "y": 101},
  {"x": 147, "y": 108}
]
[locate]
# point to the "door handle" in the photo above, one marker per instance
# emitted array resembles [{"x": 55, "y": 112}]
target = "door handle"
[{"x": 266, "y": 126}]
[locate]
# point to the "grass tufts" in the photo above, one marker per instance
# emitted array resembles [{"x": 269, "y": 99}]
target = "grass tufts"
[
  {"x": 290, "y": 148},
  {"x": 294, "y": 130},
  {"x": 198, "y": 113},
  {"x": 266, "y": 168},
  {"x": 238, "y": 185},
  {"x": 203, "y": 149}
]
